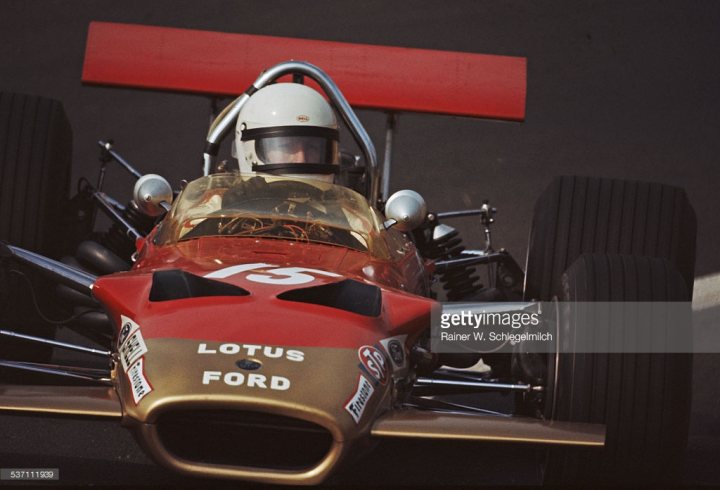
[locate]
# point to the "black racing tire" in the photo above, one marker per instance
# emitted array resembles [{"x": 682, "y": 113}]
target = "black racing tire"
[
  {"x": 578, "y": 215},
  {"x": 591, "y": 215},
  {"x": 35, "y": 163},
  {"x": 642, "y": 398}
]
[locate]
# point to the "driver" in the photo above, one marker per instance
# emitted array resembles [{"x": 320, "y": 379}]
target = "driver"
[{"x": 288, "y": 129}]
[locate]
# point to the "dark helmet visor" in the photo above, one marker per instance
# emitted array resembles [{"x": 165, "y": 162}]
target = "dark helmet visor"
[{"x": 294, "y": 144}]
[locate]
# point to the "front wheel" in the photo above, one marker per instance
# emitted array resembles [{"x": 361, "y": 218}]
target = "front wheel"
[{"x": 642, "y": 398}]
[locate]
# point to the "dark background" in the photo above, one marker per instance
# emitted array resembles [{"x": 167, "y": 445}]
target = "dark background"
[
  {"x": 624, "y": 89},
  {"x": 615, "y": 88}
]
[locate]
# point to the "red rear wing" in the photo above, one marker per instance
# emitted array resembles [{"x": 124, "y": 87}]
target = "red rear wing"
[{"x": 378, "y": 77}]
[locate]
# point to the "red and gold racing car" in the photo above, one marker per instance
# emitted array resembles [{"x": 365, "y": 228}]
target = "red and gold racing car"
[{"x": 266, "y": 328}]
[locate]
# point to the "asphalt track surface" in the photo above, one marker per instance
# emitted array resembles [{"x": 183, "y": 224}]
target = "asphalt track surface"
[
  {"x": 102, "y": 453},
  {"x": 624, "y": 89}
]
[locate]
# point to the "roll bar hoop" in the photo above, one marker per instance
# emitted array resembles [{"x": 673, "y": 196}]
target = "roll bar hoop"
[{"x": 224, "y": 121}]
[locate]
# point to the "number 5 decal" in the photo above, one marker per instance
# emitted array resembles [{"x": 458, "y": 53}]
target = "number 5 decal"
[
  {"x": 293, "y": 275},
  {"x": 280, "y": 275}
]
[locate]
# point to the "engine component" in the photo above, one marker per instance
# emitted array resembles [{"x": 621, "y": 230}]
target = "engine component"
[
  {"x": 459, "y": 282},
  {"x": 117, "y": 239}
]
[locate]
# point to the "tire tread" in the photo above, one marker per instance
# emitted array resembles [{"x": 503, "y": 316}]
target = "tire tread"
[
  {"x": 577, "y": 215},
  {"x": 642, "y": 398}
]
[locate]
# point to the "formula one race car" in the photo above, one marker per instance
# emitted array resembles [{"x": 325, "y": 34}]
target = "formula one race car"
[{"x": 295, "y": 314}]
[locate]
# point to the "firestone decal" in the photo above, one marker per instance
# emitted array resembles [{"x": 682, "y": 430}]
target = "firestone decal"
[
  {"x": 131, "y": 349},
  {"x": 139, "y": 384},
  {"x": 286, "y": 276},
  {"x": 357, "y": 403},
  {"x": 374, "y": 363}
]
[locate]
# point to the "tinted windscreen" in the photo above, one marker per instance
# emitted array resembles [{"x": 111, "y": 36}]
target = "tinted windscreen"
[{"x": 261, "y": 205}]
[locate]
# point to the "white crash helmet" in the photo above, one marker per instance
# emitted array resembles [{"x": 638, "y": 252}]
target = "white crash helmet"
[{"x": 288, "y": 129}]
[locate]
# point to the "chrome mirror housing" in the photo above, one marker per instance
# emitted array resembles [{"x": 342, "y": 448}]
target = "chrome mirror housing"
[
  {"x": 405, "y": 210},
  {"x": 153, "y": 194}
]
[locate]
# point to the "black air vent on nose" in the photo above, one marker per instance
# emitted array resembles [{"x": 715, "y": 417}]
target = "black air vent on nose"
[
  {"x": 177, "y": 284},
  {"x": 242, "y": 438},
  {"x": 348, "y": 295}
]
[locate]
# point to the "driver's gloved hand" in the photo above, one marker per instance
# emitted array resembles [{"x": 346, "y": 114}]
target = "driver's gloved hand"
[
  {"x": 257, "y": 185},
  {"x": 246, "y": 189}
]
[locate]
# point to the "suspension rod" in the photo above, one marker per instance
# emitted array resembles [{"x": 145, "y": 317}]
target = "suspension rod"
[{"x": 56, "y": 343}]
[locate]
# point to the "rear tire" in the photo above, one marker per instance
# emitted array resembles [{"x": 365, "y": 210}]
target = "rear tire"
[
  {"x": 643, "y": 399},
  {"x": 579, "y": 215},
  {"x": 35, "y": 161}
]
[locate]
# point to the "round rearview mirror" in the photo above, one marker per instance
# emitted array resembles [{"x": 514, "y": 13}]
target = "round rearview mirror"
[
  {"x": 406, "y": 210},
  {"x": 152, "y": 194}
]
